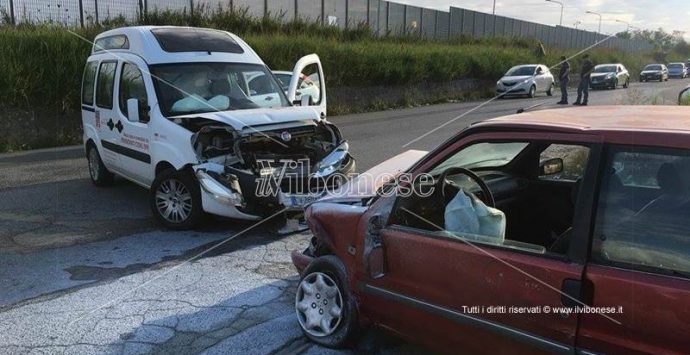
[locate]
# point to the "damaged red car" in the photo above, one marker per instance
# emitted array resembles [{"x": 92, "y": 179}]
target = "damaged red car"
[{"x": 554, "y": 231}]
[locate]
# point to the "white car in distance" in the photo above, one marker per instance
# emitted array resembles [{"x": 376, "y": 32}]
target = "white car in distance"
[{"x": 526, "y": 80}]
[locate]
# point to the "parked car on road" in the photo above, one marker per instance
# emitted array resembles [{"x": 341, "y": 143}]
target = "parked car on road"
[
  {"x": 554, "y": 231},
  {"x": 610, "y": 76},
  {"x": 195, "y": 116},
  {"x": 306, "y": 84},
  {"x": 687, "y": 67},
  {"x": 677, "y": 70},
  {"x": 657, "y": 72},
  {"x": 526, "y": 80}
]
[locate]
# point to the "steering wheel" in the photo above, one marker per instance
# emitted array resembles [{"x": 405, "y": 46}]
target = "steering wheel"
[{"x": 488, "y": 197}]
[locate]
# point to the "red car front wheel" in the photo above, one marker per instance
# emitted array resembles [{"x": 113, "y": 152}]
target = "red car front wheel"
[{"x": 324, "y": 304}]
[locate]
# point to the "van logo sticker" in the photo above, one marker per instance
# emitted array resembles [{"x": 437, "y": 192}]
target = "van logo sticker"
[
  {"x": 135, "y": 141},
  {"x": 119, "y": 126},
  {"x": 286, "y": 136},
  {"x": 110, "y": 124}
]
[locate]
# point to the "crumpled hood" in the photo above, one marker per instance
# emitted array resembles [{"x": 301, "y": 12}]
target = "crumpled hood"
[
  {"x": 367, "y": 183},
  {"x": 516, "y": 79},
  {"x": 241, "y": 119}
]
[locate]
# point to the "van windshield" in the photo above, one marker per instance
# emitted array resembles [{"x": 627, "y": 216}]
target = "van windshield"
[{"x": 209, "y": 87}]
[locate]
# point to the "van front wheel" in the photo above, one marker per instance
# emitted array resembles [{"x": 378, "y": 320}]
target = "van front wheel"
[{"x": 175, "y": 199}]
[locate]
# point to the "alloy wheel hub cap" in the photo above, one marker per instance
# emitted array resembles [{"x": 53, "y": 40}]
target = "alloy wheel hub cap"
[
  {"x": 173, "y": 200},
  {"x": 318, "y": 304}
]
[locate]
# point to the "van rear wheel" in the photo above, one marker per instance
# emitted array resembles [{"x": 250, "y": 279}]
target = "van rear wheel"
[
  {"x": 175, "y": 199},
  {"x": 100, "y": 175}
]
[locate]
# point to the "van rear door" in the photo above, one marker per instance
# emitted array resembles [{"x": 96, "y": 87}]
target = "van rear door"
[{"x": 104, "y": 115}]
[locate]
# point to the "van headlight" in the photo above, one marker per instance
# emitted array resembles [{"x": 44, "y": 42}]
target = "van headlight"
[{"x": 332, "y": 161}]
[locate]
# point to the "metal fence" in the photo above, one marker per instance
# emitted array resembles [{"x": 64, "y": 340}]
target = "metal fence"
[{"x": 383, "y": 17}]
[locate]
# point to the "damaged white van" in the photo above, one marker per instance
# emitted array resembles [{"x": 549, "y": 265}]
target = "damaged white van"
[{"x": 196, "y": 116}]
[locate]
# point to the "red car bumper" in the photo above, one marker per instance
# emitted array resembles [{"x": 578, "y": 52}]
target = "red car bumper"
[{"x": 300, "y": 260}]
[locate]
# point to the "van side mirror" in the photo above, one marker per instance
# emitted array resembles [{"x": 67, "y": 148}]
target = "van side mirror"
[
  {"x": 551, "y": 167},
  {"x": 304, "y": 101},
  {"x": 137, "y": 112}
]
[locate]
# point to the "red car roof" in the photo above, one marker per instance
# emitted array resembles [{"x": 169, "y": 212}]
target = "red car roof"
[{"x": 644, "y": 125}]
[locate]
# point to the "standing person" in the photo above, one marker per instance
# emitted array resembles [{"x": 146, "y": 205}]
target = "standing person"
[
  {"x": 564, "y": 79},
  {"x": 585, "y": 77}
]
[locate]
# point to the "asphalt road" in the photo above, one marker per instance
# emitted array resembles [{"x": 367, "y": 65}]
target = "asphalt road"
[{"x": 85, "y": 269}]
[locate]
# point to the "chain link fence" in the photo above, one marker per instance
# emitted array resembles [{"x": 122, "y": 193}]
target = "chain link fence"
[{"x": 383, "y": 17}]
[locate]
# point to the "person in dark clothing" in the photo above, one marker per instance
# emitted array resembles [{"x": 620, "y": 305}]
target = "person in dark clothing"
[
  {"x": 585, "y": 77},
  {"x": 564, "y": 79}
]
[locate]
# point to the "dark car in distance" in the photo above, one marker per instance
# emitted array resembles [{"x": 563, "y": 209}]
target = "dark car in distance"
[
  {"x": 595, "y": 209},
  {"x": 609, "y": 76},
  {"x": 654, "y": 72},
  {"x": 677, "y": 70}
]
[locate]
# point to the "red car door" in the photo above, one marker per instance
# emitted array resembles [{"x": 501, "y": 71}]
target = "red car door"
[
  {"x": 450, "y": 293},
  {"x": 640, "y": 267}
]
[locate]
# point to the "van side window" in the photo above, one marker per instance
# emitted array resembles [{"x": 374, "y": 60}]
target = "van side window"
[
  {"x": 643, "y": 216},
  {"x": 88, "y": 80},
  {"x": 104, "y": 87},
  {"x": 131, "y": 87}
]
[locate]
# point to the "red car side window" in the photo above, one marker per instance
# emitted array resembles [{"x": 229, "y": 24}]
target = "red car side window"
[{"x": 644, "y": 211}]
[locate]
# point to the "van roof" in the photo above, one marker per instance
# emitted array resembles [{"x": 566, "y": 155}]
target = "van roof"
[{"x": 174, "y": 44}]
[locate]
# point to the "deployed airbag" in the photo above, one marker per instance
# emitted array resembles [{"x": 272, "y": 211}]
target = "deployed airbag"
[{"x": 466, "y": 214}]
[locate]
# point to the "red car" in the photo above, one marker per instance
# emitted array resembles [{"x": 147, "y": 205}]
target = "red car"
[{"x": 588, "y": 251}]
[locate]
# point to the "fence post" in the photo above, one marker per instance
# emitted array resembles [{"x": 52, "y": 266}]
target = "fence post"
[
  {"x": 347, "y": 13},
  {"x": 95, "y": 6},
  {"x": 323, "y": 12},
  {"x": 12, "y": 20},
  {"x": 81, "y": 13},
  {"x": 191, "y": 8},
  {"x": 296, "y": 10},
  {"x": 368, "y": 13}
]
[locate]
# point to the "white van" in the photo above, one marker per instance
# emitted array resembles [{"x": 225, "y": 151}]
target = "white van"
[{"x": 196, "y": 116}]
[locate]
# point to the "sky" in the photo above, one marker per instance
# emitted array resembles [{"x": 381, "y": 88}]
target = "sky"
[{"x": 672, "y": 15}]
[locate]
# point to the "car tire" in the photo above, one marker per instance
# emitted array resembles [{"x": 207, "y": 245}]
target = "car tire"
[
  {"x": 532, "y": 92},
  {"x": 326, "y": 278},
  {"x": 661, "y": 80},
  {"x": 175, "y": 199},
  {"x": 615, "y": 85},
  {"x": 99, "y": 174},
  {"x": 549, "y": 92},
  {"x": 626, "y": 84}
]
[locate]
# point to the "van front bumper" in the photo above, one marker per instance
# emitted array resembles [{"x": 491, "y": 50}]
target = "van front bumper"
[{"x": 236, "y": 193}]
